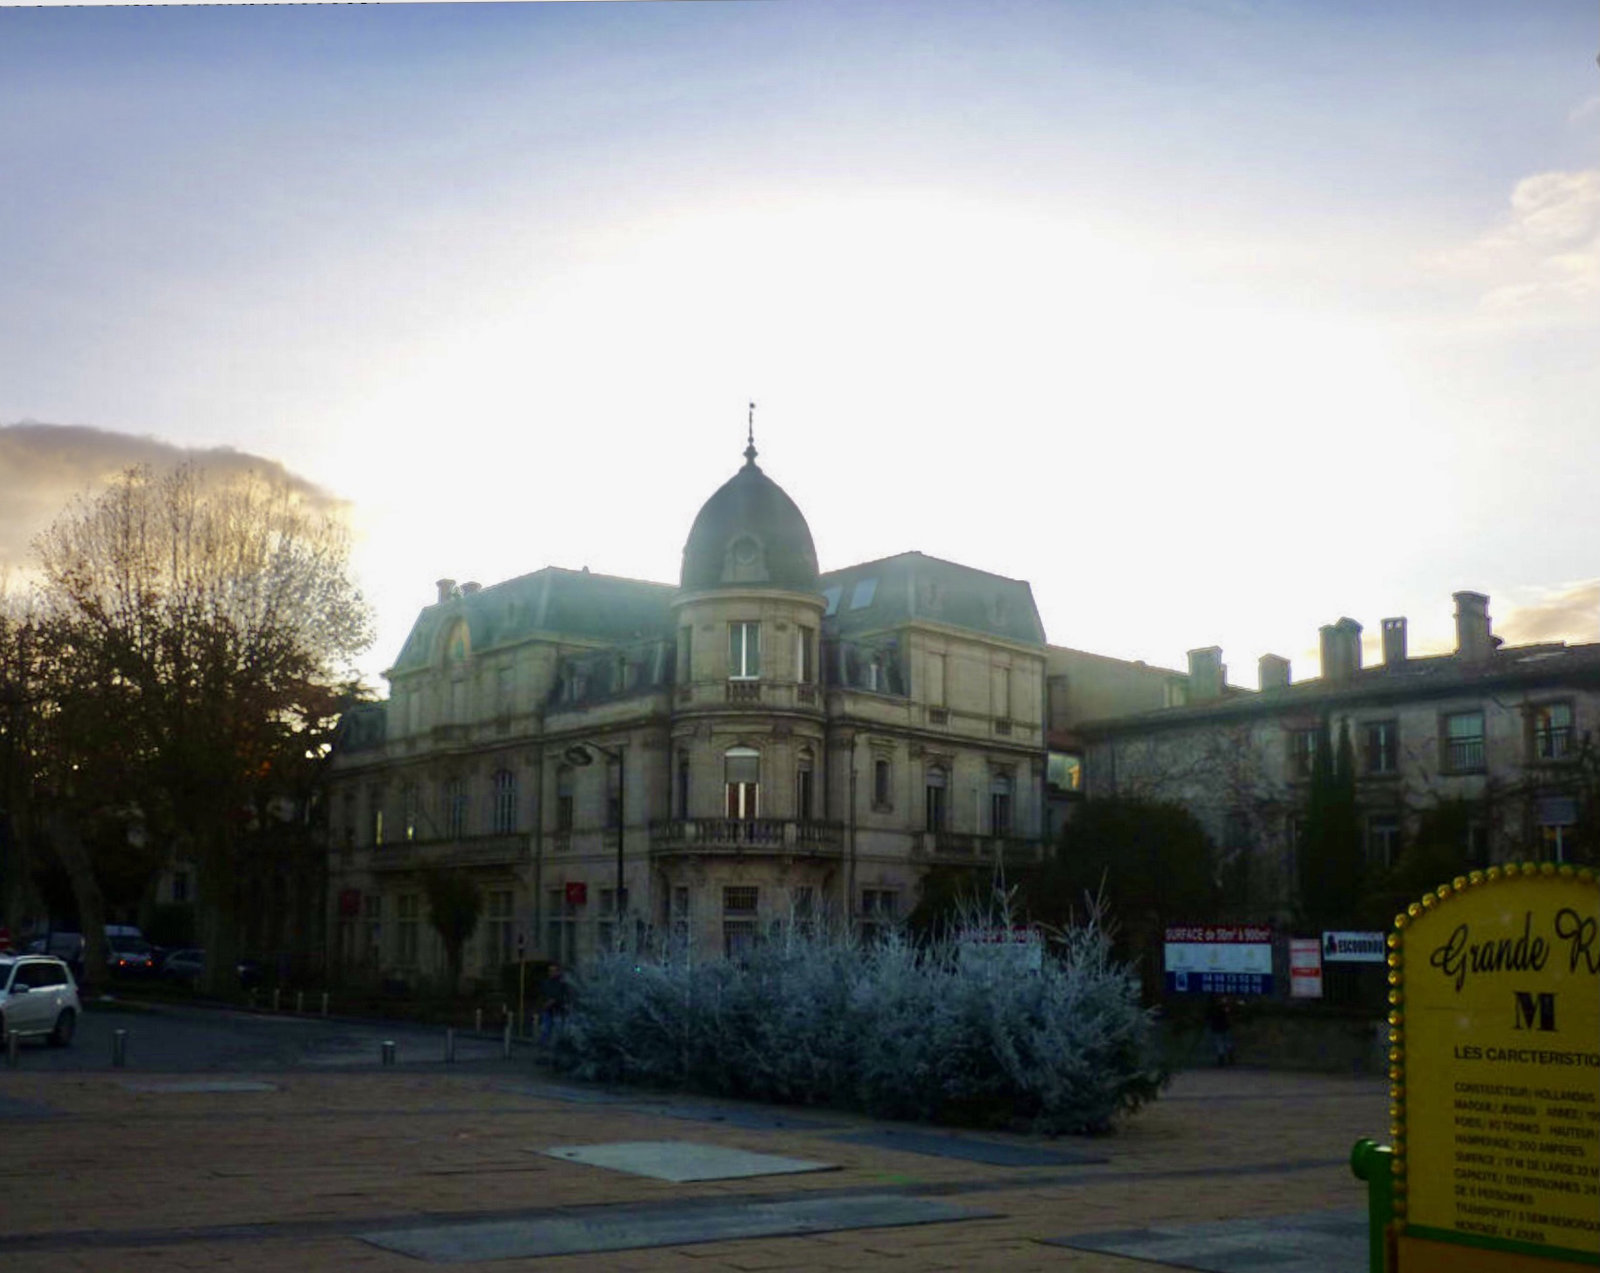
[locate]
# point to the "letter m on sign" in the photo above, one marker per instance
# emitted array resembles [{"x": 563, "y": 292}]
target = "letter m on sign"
[{"x": 1535, "y": 1011}]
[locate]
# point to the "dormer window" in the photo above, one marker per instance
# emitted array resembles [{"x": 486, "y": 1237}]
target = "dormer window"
[{"x": 746, "y": 561}]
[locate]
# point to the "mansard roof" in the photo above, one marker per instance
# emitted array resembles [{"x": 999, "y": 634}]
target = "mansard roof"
[
  {"x": 572, "y": 603},
  {"x": 749, "y": 534},
  {"x": 894, "y": 591}
]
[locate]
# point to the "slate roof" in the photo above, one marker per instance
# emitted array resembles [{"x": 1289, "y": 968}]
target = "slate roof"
[
  {"x": 1509, "y": 668},
  {"x": 749, "y": 534},
  {"x": 569, "y": 602},
  {"x": 895, "y": 590}
]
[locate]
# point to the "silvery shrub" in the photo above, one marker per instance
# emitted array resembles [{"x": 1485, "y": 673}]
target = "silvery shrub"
[{"x": 889, "y": 1028}]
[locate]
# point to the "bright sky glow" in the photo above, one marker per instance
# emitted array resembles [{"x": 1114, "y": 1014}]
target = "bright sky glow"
[{"x": 1214, "y": 320}]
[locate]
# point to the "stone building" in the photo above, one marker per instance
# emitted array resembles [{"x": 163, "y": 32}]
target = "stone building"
[
  {"x": 1500, "y": 733},
  {"x": 762, "y": 744}
]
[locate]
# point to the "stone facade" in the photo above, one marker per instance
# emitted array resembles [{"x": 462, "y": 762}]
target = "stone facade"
[
  {"x": 1502, "y": 732},
  {"x": 762, "y": 745}
]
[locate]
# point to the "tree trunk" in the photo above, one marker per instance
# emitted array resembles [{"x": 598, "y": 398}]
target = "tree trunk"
[
  {"x": 218, "y": 917},
  {"x": 73, "y": 855}
]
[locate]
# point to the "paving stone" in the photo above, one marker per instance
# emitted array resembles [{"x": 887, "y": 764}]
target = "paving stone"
[
  {"x": 1315, "y": 1242},
  {"x": 969, "y": 1149},
  {"x": 681, "y": 1161},
  {"x": 620, "y": 1231}
]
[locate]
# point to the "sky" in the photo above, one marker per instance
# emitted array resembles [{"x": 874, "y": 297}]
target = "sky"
[{"x": 1214, "y": 320}]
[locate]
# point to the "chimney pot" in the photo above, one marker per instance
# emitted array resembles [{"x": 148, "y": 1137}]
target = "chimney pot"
[
  {"x": 1394, "y": 642},
  {"x": 1206, "y": 674},
  {"x": 470, "y": 587},
  {"x": 1341, "y": 650},
  {"x": 1473, "y": 641},
  {"x": 447, "y": 589},
  {"x": 1272, "y": 672}
]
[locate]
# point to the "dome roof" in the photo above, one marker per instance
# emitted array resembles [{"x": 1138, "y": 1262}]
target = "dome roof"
[{"x": 749, "y": 534}]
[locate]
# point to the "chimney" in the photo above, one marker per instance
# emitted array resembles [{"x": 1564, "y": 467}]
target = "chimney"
[
  {"x": 1272, "y": 672},
  {"x": 447, "y": 589},
  {"x": 1206, "y": 674},
  {"x": 470, "y": 587},
  {"x": 1341, "y": 650},
  {"x": 1394, "y": 642},
  {"x": 1473, "y": 644}
]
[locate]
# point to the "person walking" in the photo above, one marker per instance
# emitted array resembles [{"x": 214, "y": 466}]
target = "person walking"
[
  {"x": 555, "y": 994},
  {"x": 1220, "y": 1028}
]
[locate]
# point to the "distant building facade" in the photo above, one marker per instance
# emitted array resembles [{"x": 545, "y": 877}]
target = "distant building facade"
[
  {"x": 763, "y": 744},
  {"x": 1502, "y": 733}
]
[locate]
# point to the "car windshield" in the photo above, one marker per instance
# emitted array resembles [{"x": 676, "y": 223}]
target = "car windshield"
[{"x": 130, "y": 945}]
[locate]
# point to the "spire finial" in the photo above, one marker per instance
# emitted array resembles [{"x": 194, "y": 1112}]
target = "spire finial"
[{"x": 750, "y": 450}]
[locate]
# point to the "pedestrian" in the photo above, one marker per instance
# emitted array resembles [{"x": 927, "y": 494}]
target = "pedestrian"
[
  {"x": 554, "y": 994},
  {"x": 1219, "y": 1028}
]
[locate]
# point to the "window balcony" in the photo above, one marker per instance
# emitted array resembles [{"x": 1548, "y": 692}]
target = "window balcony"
[
  {"x": 735, "y": 836},
  {"x": 476, "y": 850}
]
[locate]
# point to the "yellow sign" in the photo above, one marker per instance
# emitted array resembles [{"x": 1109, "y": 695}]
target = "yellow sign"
[{"x": 1495, "y": 1062}]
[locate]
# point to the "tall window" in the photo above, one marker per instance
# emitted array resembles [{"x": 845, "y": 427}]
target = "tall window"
[
  {"x": 878, "y": 908},
  {"x": 1463, "y": 741},
  {"x": 564, "y": 798},
  {"x": 683, "y": 784},
  {"x": 407, "y": 927},
  {"x": 500, "y": 949},
  {"x": 739, "y": 907},
  {"x": 744, "y": 650},
  {"x": 805, "y": 655},
  {"x": 561, "y": 922},
  {"x": 1383, "y": 840},
  {"x": 347, "y": 819},
  {"x": 1558, "y": 815},
  {"x": 410, "y": 809},
  {"x": 1380, "y": 746},
  {"x": 742, "y": 779},
  {"x": 505, "y": 802},
  {"x": 685, "y": 654},
  {"x": 882, "y": 784},
  {"x": 935, "y": 798},
  {"x": 1000, "y": 805},
  {"x": 679, "y": 917},
  {"x": 1302, "y": 752},
  {"x": 375, "y": 815},
  {"x": 455, "y": 808},
  {"x": 803, "y": 909},
  {"x": 804, "y": 787},
  {"x": 1552, "y": 731}
]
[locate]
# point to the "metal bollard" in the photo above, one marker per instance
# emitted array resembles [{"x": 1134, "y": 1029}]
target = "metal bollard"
[
  {"x": 324, "y": 1003},
  {"x": 449, "y": 1044},
  {"x": 505, "y": 1044},
  {"x": 299, "y": 1001},
  {"x": 119, "y": 1049},
  {"x": 477, "y": 1021},
  {"x": 13, "y": 1050},
  {"x": 386, "y": 1052}
]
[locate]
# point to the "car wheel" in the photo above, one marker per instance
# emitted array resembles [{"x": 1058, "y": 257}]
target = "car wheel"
[{"x": 66, "y": 1024}]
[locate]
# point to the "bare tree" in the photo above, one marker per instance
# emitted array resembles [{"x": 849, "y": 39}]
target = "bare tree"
[{"x": 214, "y": 622}]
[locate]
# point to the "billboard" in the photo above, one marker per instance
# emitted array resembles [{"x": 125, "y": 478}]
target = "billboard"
[{"x": 1230, "y": 959}]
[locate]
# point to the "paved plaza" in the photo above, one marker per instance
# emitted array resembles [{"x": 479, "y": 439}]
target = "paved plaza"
[{"x": 308, "y": 1166}]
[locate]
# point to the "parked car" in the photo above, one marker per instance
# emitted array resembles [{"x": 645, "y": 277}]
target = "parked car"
[
  {"x": 38, "y": 997},
  {"x": 129, "y": 956},
  {"x": 187, "y": 967}
]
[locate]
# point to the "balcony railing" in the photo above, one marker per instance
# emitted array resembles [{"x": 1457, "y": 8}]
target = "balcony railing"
[
  {"x": 746, "y": 835},
  {"x": 478, "y": 850},
  {"x": 744, "y": 691},
  {"x": 1464, "y": 755}
]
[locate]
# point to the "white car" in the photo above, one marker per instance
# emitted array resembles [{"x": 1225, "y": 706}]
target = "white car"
[{"x": 38, "y": 997}]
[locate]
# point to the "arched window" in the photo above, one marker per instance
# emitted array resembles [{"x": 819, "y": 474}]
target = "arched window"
[
  {"x": 936, "y": 807},
  {"x": 742, "y": 776},
  {"x": 458, "y": 645},
  {"x": 804, "y": 786},
  {"x": 505, "y": 802},
  {"x": 1000, "y": 805}
]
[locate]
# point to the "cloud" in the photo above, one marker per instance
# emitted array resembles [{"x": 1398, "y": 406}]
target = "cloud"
[
  {"x": 1568, "y": 612},
  {"x": 1542, "y": 264},
  {"x": 44, "y": 466}
]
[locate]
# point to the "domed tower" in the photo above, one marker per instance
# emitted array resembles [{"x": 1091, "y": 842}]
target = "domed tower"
[{"x": 747, "y": 726}]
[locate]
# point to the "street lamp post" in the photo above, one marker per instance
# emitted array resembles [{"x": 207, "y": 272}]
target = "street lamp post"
[{"x": 583, "y": 754}]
